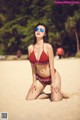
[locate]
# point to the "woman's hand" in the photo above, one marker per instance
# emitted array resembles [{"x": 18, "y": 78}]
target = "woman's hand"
[
  {"x": 54, "y": 88},
  {"x": 34, "y": 86}
]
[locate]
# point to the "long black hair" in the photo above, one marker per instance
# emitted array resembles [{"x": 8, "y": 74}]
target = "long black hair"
[{"x": 45, "y": 38}]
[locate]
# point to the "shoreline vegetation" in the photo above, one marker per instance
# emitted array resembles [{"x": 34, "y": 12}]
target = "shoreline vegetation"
[
  {"x": 18, "y": 19},
  {"x": 25, "y": 57},
  {"x": 13, "y": 57}
]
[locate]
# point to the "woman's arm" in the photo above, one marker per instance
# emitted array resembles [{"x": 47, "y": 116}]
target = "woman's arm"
[
  {"x": 51, "y": 62},
  {"x": 33, "y": 73},
  {"x": 30, "y": 48}
]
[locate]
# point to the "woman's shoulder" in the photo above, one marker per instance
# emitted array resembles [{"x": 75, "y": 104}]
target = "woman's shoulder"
[
  {"x": 30, "y": 46},
  {"x": 48, "y": 45}
]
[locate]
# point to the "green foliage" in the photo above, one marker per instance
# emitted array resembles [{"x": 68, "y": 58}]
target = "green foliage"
[
  {"x": 72, "y": 20},
  {"x": 19, "y": 17},
  {"x": 2, "y": 49}
]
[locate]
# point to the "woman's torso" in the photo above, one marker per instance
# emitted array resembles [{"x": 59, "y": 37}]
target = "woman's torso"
[{"x": 39, "y": 57}]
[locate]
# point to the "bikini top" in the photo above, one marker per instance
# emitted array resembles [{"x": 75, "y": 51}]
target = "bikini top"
[{"x": 44, "y": 59}]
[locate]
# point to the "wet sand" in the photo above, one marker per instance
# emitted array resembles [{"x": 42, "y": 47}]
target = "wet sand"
[{"x": 15, "y": 80}]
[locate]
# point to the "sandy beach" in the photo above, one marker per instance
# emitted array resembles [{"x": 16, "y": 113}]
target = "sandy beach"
[{"x": 15, "y": 80}]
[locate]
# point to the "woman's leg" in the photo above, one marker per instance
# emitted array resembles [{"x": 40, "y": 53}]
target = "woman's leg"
[
  {"x": 56, "y": 94},
  {"x": 44, "y": 96},
  {"x": 33, "y": 92}
]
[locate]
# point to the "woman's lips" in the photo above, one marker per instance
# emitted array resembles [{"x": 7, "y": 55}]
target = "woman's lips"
[{"x": 38, "y": 33}]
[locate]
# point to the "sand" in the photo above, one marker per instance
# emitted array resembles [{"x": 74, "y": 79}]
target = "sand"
[{"x": 15, "y": 80}]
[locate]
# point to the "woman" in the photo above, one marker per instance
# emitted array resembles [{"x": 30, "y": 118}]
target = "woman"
[{"x": 41, "y": 57}]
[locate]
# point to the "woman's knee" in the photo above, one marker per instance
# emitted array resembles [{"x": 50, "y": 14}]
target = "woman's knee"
[
  {"x": 35, "y": 90},
  {"x": 56, "y": 99},
  {"x": 31, "y": 94},
  {"x": 30, "y": 98},
  {"x": 56, "y": 96}
]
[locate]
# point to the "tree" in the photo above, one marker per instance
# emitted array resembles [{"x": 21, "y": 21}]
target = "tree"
[{"x": 73, "y": 27}]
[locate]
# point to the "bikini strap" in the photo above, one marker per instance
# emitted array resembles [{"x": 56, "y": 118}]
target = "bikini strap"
[
  {"x": 43, "y": 46},
  {"x": 33, "y": 47}
]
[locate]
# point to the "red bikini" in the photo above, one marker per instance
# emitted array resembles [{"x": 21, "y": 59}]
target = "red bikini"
[{"x": 44, "y": 59}]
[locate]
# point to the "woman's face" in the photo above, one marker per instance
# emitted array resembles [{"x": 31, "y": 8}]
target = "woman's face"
[{"x": 40, "y": 31}]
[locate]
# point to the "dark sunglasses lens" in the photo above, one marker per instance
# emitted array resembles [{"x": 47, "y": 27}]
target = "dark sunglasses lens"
[
  {"x": 41, "y": 30},
  {"x": 36, "y": 29}
]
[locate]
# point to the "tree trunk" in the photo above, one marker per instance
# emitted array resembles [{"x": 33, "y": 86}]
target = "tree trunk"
[{"x": 77, "y": 40}]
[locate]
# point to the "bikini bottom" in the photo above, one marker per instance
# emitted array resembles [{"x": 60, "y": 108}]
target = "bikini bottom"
[{"x": 46, "y": 80}]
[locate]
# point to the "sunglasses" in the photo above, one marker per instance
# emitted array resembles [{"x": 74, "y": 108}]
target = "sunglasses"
[{"x": 40, "y": 29}]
